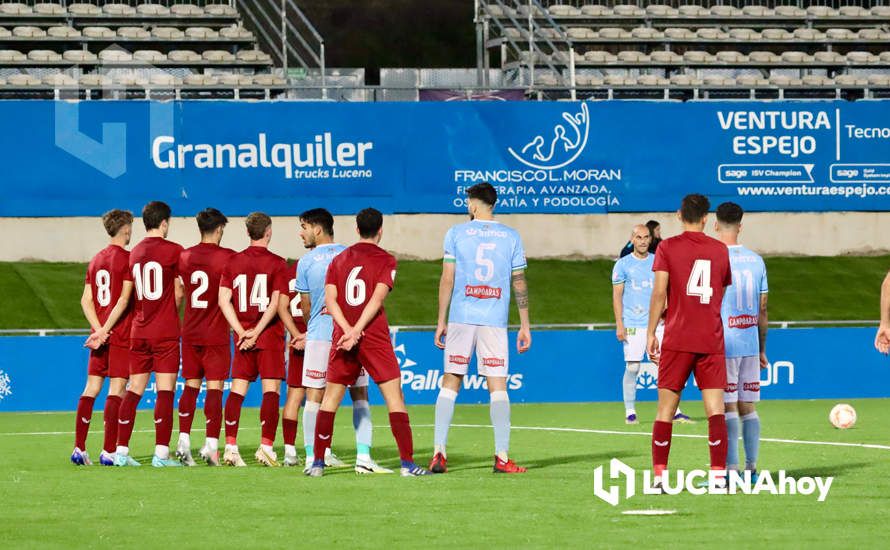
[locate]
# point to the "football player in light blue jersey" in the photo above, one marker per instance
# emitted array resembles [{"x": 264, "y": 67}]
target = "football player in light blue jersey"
[
  {"x": 483, "y": 261},
  {"x": 317, "y": 232},
  {"x": 632, "y": 280},
  {"x": 744, "y": 328}
]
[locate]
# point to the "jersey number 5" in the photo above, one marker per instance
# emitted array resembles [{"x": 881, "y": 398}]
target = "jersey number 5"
[{"x": 699, "y": 283}]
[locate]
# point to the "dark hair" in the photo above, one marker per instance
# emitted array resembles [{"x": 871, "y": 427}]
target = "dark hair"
[
  {"x": 154, "y": 213},
  {"x": 694, "y": 207},
  {"x": 257, "y": 223},
  {"x": 319, "y": 217},
  {"x": 369, "y": 222},
  {"x": 209, "y": 219},
  {"x": 485, "y": 192},
  {"x": 114, "y": 220},
  {"x": 729, "y": 213},
  {"x": 652, "y": 224}
]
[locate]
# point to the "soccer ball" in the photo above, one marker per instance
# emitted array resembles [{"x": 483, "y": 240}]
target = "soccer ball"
[{"x": 842, "y": 416}]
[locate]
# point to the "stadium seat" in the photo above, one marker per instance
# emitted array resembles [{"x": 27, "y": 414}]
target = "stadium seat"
[
  {"x": 776, "y": 34},
  {"x": 611, "y": 32},
  {"x": 879, "y": 80},
  {"x": 595, "y": 10},
  {"x": 114, "y": 54},
  {"x": 839, "y": 34},
  {"x": 149, "y": 56},
  {"x": 750, "y": 80},
  {"x": 678, "y": 33},
  {"x": 121, "y": 10},
  {"x": 5, "y": 33},
  {"x": 631, "y": 56},
  {"x": 725, "y": 11},
  {"x": 628, "y": 10},
  {"x": 220, "y": 10},
  {"x": 152, "y": 9},
  {"x": 729, "y": 56},
  {"x": 850, "y": 80},
  {"x": 860, "y": 57},
  {"x": 661, "y": 56},
  {"x": 828, "y": 57},
  {"x": 186, "y": 10},
  {"x": 232, "y": 79},
  {"x": 880, "y": 11},
  {"x": 99, "y": 32},
  {"x": 710, "y": 33},
  {"x": 164, "y": 79},
  {"x": 884, "y": 57},
  {"x": 757, "y": 11},
  {"x": 820, "y": 11},
  {"x": 44, "y": 55},
  {"x": 869, "y": 34},
  {"x": 218, "y": 56},
  {"x": 580, "y": 33},
  {"x": 7, "y": 56},
  {"x": 692, "y": 10},
  {"x": 796, "y": 57},
  {"x": 28, "y": 32},
  {"x": 200, "y": 80},
  {"x": 167, "y": 33},
  {"x": 49, "y": 8},
  {"x": 59, "y": 79},
  {"x": 615, "y": 80},
  {"x": 717, "y": 80},
  {"x": 646, "y": 33},
  {"x": 790, "y": 11},
  {"x": 815, "y": 80},
  {"x": 183, "y": 56},
  {"x": 130, "y": 79},
  {"x": 268, "y": 80},
  {"x": 811, "y": 35},
  {"x": 547, "y": 79},
  {"x": 781, "y": 80},
  {"x": 253, "y": 56},
  {"x": 236, "y": 32},
  {"x": 684, "y": 80},
  {"x": 201, "y": 33},
  {"x": 80, "y": 56},
  {"x": 661, "y": 10},
  {"x": 598, "y": 56},
  {"x": 695, "y": 56},
  {"x": 23, "y": 80},
  {"x": 563, "y": 10},
  {"x": 15, "y": 8},
  {"x": 762, "y": 57},
  {"x": 63, "y": 32},
  {"x": 95, "y": 80},
  {"x": 133, "y": 33},
  {"x": 744, "y": 34},
  {"x": 852, "y": 11},
  {"x": 549, "y": 33},
  {"x": 648, "y": 80},
  {"x": 82, "y": 9}
]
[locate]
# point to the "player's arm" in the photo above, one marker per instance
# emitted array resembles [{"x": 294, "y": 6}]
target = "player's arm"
[
  {"x": 372, "y": 307},
  {"x": 446, "y": 287},
  {"x": 298, "y": 339},
  {"x": 89, "y": 309},
  {"x": 253, "y": 334},
  {"x": 99, "y": 337},
  {"x": 882, "y": 338},
  {"x": 306, "y": 305},
  {"x": 762, "y": 325},
  {"x": 520, "y": 292},
  {"x": 330, "y": 302},
  {"x": 228, "y": 311},
  {"x": 656, "y": 308},
  {"x": 178, "y": 291},
  {"x": 618, "y": 308}
]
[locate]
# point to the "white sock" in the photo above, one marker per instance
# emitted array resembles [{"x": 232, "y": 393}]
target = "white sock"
[
  {"x": 628, "y": 412},
  {"x": 185, "y": 440},
  {"x": 500, "y": 419},
  {"x": 290, "y": 450},
  {"x": 629, "y": 384},
  {"x": 328, "y": 452},
  {"x": 231, "y": 447},
  {"x": 121, "y": 450},
  {"x": 162, "y": 451},
  {"x": 310, "y": 414},
  {"x": 267, "y": 448},
  {"x": 213, "y": 443},
  {"x": 444, "y": 413}
]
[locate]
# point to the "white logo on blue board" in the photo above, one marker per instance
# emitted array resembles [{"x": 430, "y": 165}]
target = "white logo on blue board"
[
  {"x": 562, "y": 148},
  {"x": 5, "y": 385}
]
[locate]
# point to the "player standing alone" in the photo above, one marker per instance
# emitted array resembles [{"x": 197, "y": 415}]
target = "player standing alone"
[
  {"x": 358, "y": 281},
  {"x": 483, "y": 259},
  {"x": 691, "y": 273},
  {"x": 744, "y": 328},
  {"x": 104, "y": 281},
  {"x": 206, "y": 340}
]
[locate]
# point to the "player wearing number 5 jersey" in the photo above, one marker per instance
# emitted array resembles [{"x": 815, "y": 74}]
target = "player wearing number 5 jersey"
[
  {"x": 483, "y": 260},
  {"x": 357, "y": 282},
  {"x": 249, "y": 295},
  {"x": 206, "y": 337},
  {"x": 102, "y": 289},
  {"x": 691, "y": 273}
]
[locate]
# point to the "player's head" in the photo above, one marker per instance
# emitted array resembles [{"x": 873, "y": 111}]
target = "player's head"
[
  {"x": 369, "y": 224},
  {"x": 259, "y": 227},
  {"x": 211, "y": 223},
  {"x": 641, "y": 237},
  {"x": 316, "y": 224},
  {"x": 481, "y": 199},
  {"x": 118, "y": 224},
  {"x": 729, "y": 218},
  {"x": 654, "y": 229},
  {"x": 156, "y": 216},
  {"x": 694, "y": 211}
]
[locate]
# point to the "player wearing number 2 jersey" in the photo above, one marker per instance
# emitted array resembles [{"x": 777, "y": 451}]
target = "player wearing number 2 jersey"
[
  {"x": 483, "y": 260},
  {"x": 249, "y": 294},
  {"x": 691, "y": 273},
  {"x": 102, "y": 289},
  {"x": 206, "y": 336},
  {"x": 357, "y": 282}
]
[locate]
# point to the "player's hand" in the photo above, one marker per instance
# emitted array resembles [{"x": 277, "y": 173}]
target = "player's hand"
[
  {"x": 349, "y": 339},
  {"x": 764, "y": 362},
  {"x": 441, "y": 333},
  {"x": 247, "y": 343},
  {"x": 621, "y": 333},
  {"x": 653, "y": 349},
  {"x": 523, "y": 340},
  {"x": 97, "y": 339},
  {"x": 298, "y": 342},
  {"x": 882, "y": 339}
]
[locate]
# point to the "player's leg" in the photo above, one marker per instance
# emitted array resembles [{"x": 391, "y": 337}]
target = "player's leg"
[
  {"x": 324, "y": 426},
  {"x": 232, "y": 455},
  {"x": 193, "y": 373},
  {"x": 460, "y": 342},
  {"x": 361, "y": 421},
  {"x": 166, "y": 367},
  {"x": 730, "y": 403},
  {"x": 83, "y": 418},
  {"x": 400, "y": 424},
  {"x": 710, "y": 374},
  {"x": 634, "y": 349},
  {"x": 117, "y": 387},
  {"x": 673, "y": 371},
  {"x": 493, "y": 362},
  {"x": 217, "y": 368},
  {"x": 315, "y": 368},
  {"x": 291, "y": 410},
  {"x": 265, "y": 454},
  {"x": 749, "y": 395},
  {"x": 140, "y": 371}
]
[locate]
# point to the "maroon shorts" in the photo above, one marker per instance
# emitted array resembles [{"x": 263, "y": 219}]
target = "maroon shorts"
[
  {"x": 346, "y": 366},
  {"x": 109, "y": 361},
  {"x": 674, "y": 369},
  {"x": 268, "y": 364},
  {"x": 295, "y": 368},
  {"x": 210, "y": 362},
  {"x": 160, "y": 356}
]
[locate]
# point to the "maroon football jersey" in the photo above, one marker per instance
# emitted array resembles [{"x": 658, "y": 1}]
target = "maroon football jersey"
[
  {"x": 698, "y": 273},
  {"x": 153, "y": 270},
  {"x": 253, "y": 275},
  {"x": 106, "y": 275},
  {"x": 355, "y": 272},
  {"x": 200, "y": 268},
  {"x": 295, "y": 310}
]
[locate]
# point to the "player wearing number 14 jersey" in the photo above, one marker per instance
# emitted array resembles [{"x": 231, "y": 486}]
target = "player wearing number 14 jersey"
[
  {"x": 691, "y": 272},
  {"x": 206, "y": 336}
]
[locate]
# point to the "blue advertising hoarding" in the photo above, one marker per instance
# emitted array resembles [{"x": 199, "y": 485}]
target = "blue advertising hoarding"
[
  {"x": 48, "y": 373},
  {"x": 72, "y": 159}
]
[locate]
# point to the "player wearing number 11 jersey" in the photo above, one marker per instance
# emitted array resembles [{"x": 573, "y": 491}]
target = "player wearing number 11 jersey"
[{"x": 691, "y": 273}]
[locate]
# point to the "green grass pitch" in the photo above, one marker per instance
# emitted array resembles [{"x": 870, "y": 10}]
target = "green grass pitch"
[{"x": 46, "y": 502}]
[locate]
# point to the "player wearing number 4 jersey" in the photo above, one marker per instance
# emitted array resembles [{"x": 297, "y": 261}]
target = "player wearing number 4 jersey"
[
  {"x": 357, "y": 282},
  {"x": 483, "y": 259},
  {"x": 250, "y": 296},
  {"x": 206, "y": 337},
  {"x": 691, "y": 273},
  {"x": 102, "y": 289}
]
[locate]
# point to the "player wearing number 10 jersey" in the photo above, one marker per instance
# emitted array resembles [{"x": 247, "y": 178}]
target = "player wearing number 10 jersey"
[
  {"x": 250, "y": 293},
  {"x": 206, "y": 336},
  {"x": 691, "y": 272},
  {"x": 102, "y": 289}
]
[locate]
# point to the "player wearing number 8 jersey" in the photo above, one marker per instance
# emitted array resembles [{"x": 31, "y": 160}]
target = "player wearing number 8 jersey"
[
  {"x": 206, "y": 337},
  {"x": 249, "y": 296},
  {"x": 104, "y": 282},
  {"x": 691, "y": 273}
]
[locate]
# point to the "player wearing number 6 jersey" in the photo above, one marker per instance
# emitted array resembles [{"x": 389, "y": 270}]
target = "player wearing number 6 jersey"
[
  {"x": 102, "y": 289},
  {"x": 249, "y": 296},
  {"x": 691, "y": 273},
  {"x": 206, "y": 337},
  {"x": 483, "y": 259}
]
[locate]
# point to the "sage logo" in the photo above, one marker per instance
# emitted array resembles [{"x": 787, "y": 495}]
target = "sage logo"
[{"x": 558, "y": 147}]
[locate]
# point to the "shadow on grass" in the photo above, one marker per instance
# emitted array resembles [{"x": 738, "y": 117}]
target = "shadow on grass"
[{"x": 828, "y": 471}]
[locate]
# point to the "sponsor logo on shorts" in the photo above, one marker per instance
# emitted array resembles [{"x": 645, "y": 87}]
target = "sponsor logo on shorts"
[
  {"x": 751, "y": 386},
  {"x": 742, "y": 321},
  {"x": 493, "y": 362},
  {"x": 731, "y": 388},
  {"x": 482, "y": 292},
  {"x": 458, "y": 359},
  {"x": 317, "y": 374}
]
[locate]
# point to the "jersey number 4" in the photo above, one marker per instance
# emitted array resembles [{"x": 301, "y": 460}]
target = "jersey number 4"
[{"x": 699, "y": 283}]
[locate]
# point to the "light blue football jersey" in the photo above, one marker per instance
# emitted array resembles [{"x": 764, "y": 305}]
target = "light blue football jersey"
[
  {"x": 638, "y": 278},
  {"x": 485, "y": 254},
  {"x": 741, "y": 302},
  {"x": 311, "y": 272}
]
